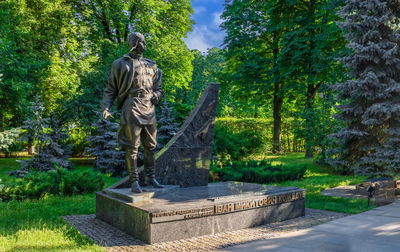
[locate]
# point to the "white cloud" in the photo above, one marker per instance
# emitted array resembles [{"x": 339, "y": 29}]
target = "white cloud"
[
  {"x": 199, "y": 10},
  {"x": 203, "y": 38},
  {"x": 217, "y": 20}
]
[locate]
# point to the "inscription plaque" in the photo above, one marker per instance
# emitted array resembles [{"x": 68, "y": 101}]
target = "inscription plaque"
[
  {"x": 226, "y": 207},
  {"x": 181, "y": 214},
  {"x": 255, "y": 203}
]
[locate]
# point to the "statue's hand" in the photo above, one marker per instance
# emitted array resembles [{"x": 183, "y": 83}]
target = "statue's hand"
[
  {"x": 154, "y": 99},
  {"x": 106, "y": 114}
]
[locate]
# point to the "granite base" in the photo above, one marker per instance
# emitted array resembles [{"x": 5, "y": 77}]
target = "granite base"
[{"x": 179, "y": 213}]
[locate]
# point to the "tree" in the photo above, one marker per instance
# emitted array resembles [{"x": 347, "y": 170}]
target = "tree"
[
  {"x": 109, "y": 158},
  {"x": 311, "y": 50},
  {"x": 34, "y": 125},
  {"x": 49, "y": 135},
  {"x": 283, "y": 52},
  {"x": 255, "y": 43},
  {"x": 207, "y": 68},
  {"x": 370, "y": 141},
  {"x": 39, "y": 52},
  {"x": 51, "y": 154}
]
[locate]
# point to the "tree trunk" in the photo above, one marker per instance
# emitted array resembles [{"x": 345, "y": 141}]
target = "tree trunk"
[
  {"x": 288, "y": 140},
  {"x": 311, "y": 87},
  {"x": 278, "y": 100},
  {"x": 31, "y": 148},
  {"x": 276, "y": 138}
]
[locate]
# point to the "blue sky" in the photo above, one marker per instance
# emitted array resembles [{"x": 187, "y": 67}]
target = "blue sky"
[{"x": 206, "y": 32}]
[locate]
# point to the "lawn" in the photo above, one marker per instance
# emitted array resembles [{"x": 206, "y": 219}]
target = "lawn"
[
  {"x": 319, "y": 178},
  {"x": 33, "y": 225}
]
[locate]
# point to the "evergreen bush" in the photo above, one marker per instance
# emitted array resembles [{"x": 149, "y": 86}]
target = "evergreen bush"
[
  {"x": 60, "y": 182},
  {"x": 49, "y": 135},
  {"x": 103, "y": 145},
  {"x": 52, "y": 150},
  {"x": 255, "y": 172}
]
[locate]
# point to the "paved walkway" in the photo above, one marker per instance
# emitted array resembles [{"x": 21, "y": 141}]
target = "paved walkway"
[
  {"x": 377, "y": 230},
  {"x": 114, "y": 240}
]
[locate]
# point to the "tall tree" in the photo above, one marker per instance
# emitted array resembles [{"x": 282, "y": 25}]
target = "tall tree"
[
  {"x": 370, "y": 141},
  {"x": 254, "y": 41},
  {"x": 311, "y": 51},
  {"x": 39, "y": 52}
]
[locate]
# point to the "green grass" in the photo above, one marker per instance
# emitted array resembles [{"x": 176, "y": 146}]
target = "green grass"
[
  {"x": 319, "y": 178},
  {"x": 36, "y": 225}
]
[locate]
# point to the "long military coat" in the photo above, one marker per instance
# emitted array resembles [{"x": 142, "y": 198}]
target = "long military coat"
[{"x": 121, "y": 79}]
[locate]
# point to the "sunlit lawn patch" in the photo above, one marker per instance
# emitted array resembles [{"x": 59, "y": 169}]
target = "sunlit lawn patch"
[
  {"x": 34, "y": 225},
  {"x": 319, "y": 178}
]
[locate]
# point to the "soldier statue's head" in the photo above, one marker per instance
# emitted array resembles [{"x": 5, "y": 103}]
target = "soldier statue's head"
[{"x": 137, "y": 43}]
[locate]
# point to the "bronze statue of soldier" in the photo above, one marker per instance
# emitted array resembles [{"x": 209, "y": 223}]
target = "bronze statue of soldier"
[{"x": 135, "y": 83}]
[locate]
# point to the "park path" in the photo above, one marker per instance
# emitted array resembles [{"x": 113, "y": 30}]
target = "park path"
[{"x": 377, "y": 230}]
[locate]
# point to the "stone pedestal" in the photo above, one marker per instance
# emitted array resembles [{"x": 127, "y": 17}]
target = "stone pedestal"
[{"x": 177, "y": 213}]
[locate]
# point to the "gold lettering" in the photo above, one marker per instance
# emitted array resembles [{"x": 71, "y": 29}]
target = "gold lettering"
[
  {"x": 238, "y": 206},
  {"x": 229, "y": 207}
]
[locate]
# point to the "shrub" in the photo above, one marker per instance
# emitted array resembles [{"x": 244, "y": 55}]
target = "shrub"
[
  {"x": 238, "y": 138},
  {"x": 255, "y": 172},
  {"x": 60, "y": 181}
]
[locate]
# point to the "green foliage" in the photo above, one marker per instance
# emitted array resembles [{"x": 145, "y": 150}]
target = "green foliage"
[
  {"x": 50, "y": 137},
  {"x": 63, "y": 50},
  {"x": 39, "y": 52},
  {"x": 60, "y": 181},
  {"x": 317, "y": 125},
  {"x": 77, "y": 140},
  {"x": 279, "y": 56},
  {"x": 255, "y": 172},
  {"x": 238, "y": 138},
  {"x": 8, "y": 140},
  {"x": 207, "y": 68},
  {"x": 233, "y": 143}
]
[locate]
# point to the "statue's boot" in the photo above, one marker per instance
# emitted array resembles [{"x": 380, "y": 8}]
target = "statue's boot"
[
  {"x": 133, "y": 173},
  {"x": 136, "y": 187},
  {"x": 155, "y": 184},
  {"x": 149, "y": 168}
]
